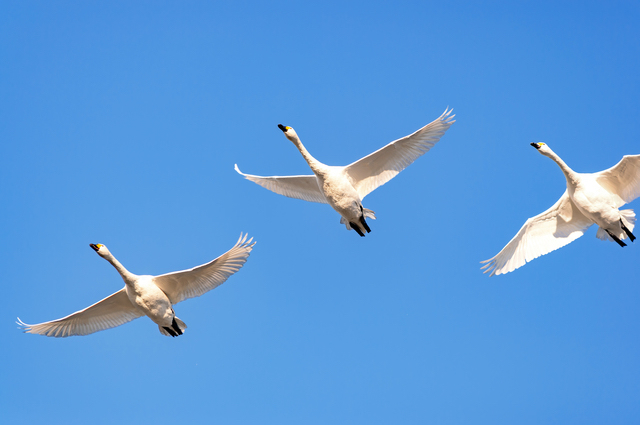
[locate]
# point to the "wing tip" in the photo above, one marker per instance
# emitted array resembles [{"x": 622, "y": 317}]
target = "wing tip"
[
  {"x": 23, "y": 326},
  {"x": 446, "y": 116},
  {"x": 244, "y": 243},
  {"x": 490, "y": 266}
]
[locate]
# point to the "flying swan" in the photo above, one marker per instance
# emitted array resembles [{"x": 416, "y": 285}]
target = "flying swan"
[
  {"x": 590, "y": 198},
  {"x": 344, "y": 188},
  {"x": 152, "y": 296}
]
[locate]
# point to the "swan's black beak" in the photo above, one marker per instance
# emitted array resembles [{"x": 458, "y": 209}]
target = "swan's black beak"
[
  {"x": 535, "y": 145},
  {"x": 94, "y": 246},
  {"x": 282, "y": 127}
]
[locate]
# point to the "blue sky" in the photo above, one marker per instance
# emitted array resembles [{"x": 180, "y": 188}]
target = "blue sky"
[{"x": 121, "y": 124}]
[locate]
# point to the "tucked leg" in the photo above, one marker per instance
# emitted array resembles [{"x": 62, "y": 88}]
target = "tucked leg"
[
  {"x": 615, "y": 238},
  {"x": 627, "y": 231}
]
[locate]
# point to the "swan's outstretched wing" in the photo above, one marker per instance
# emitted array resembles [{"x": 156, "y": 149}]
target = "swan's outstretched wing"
[
  {"x": 384, "y": 164},
  {"x": 115, "y": 310},
  {"x": 558, "y": 226},
  {"x": 299, "y": 187},
  {"x": 194, "y": 282},
  {"x": 623, "y": 179}
]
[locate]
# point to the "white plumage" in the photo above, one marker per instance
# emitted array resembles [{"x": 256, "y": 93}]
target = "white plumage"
[
  {"x": 590, "y": 198},
  {"x": 152, "y": 296},
  {"x": 345, "y": 187}
]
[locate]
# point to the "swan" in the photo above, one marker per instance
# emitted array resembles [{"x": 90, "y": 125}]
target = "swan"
[
  {"x": 345, "y": 187},
  {"x": 590, "y": 198},
  {"x": 152, "y": 296}
]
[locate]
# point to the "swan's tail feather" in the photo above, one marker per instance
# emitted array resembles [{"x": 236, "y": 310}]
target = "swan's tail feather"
[
  {"x": 177, "y": 328},
  {"x": 628, "y": 219},
  {"x": 368, "y": 213}
]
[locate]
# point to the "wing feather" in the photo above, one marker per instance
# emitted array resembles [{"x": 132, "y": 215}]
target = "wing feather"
[
  {"x": 194, "y": 282},
  {"x": 298, "y": 187},
  {"x": 376, "y": 169},
  {"x": 623, "y": 179},
  {"x": 115, "y": 310},
  {"x": 558, "y": 226}
]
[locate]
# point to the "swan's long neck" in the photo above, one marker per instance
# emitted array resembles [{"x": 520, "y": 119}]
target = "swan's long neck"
[
  {"x": 313, "y": 163},
  {"x": 127, "y": 276},
  {"x": 569, "y": 174}
]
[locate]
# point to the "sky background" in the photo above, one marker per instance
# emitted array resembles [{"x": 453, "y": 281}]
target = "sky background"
[{"x": 121, "y": 124}]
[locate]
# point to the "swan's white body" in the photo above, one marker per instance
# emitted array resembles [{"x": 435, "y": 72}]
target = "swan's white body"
[
  {"x": 345, "y": 187},
  {"x": 152, "y": 296},
  {"x": 589, "y": 199}
]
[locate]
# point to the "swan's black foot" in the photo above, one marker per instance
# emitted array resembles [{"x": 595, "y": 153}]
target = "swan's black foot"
[
  {"x": 364, "y": 224},
  {"x": 615, "y": 238},
  {"x": 171, "y": 331},
  {"x": 363, "y": 221},
  {"x": 627, "y": 231},
  {"x": 355, "y": 227},
  {"x": 175, "y": 327}
]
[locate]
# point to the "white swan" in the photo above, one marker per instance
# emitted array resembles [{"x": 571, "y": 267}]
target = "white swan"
[
  {"x": 152, "y": 296},
  {"x": 589, "y": 198},
  {"x": 344, "y": 188}
]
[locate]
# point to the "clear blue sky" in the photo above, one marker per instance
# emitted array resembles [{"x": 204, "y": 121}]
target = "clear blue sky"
[{"x": 121, "y": 124}]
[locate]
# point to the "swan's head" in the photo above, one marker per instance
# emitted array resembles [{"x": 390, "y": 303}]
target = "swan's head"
[
  {"x": 289, "y": 132},
  {"x": 100, "y": 249},
  {"x": 541, "y": 147}
]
